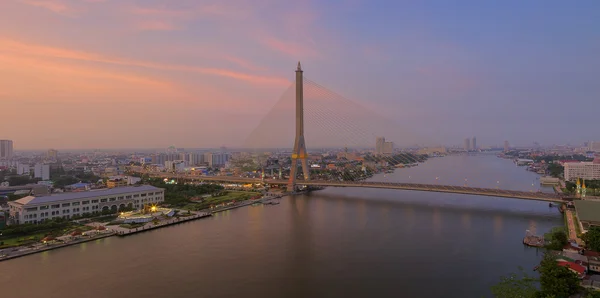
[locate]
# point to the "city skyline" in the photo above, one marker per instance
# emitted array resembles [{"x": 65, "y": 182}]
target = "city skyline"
[{"x": 155, "y": 76}]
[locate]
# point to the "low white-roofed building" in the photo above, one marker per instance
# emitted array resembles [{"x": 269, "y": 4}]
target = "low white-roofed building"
[{"x": 34, "y": 209}]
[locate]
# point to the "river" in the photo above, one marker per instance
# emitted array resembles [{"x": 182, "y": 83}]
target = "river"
[{"x": 332, "y": 243}]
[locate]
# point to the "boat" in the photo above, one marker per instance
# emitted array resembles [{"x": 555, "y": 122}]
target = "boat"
[{"x": 531, "y": 239}]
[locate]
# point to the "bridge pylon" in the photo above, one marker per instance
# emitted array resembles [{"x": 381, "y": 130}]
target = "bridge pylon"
[{"x": 299, "y": 154}]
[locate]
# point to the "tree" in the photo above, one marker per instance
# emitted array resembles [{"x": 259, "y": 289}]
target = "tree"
[
  {"x": 558, "y": 239},
  {"x": 557, "y": 281},
  {"x": 592, "y": 294},
  {"x": 516, "y": 286},
  {"x": 556, "y": 170},
  {"x": 592, "y": 238},
  {"x": 63, "y": 181}
]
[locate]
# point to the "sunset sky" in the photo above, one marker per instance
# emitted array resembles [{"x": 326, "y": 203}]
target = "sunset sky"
[{"x": 195, "y": 73}]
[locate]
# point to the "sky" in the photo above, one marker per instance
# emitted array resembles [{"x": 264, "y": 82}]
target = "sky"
[{"x": 84, "y": 74}]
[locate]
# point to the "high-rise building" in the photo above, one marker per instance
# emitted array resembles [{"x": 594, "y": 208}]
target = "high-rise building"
[
  {"x": 194, "y": 158},
  {"x": 382, "y": 147},
  {"x": 216, "y": 160},
  {"x": 52, "y": 154},
  {"x": 594, "y": 146},
  {"x": 6, "y": 149},
  {"x": 379, "y": 143},
  {"x": 42, "y": 171},
  {"x": 23, "y": 169},
  {"x": 388, "y": 148},
  {"x": 506, "y": 146},
  {"x": 467, "y": 144},
  {"x": 474, "y": 143}
]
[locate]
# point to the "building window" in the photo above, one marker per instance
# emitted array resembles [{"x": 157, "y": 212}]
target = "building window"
[
  {"x": 128, "y": 197},
  {"x": 94, "y": 201},
  {"x": 103, "y": 200},
  {"x": 112, "y": 199},
  {"x": 76, "y": 204},
  {"x": 43, "y": 207},
  {"x": 85, "y": 202},
  {"x": 143, "y": 195},
  {"x": 66, "y": 204},
  {"x": 136, "y": 196},
  {"x": 120, "y": 198},
  {"x": 55, "y": 206}
]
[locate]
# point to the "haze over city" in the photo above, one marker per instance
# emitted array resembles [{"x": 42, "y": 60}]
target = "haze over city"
[{"x": 134, "y": 74}]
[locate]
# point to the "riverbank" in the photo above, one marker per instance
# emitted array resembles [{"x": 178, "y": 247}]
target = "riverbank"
[
  {"x": 246, "y": 203},
  {"x": 121, "y": 231},
  {"x": 116, "y": 230},
  {"x": 12, "y": 254}
]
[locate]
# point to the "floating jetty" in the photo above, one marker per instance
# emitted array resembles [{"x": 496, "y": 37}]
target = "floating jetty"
[
  {"x": 531, "y": 239},
  {"x": 534, "y": 241}
]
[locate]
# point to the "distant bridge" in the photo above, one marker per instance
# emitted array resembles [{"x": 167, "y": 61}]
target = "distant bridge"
[
  {"x": 490, "y": 192},
  {"x": 299, "y": 158}
]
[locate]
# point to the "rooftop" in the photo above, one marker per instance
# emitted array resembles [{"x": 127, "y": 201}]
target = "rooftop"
[
  {"x": 588, "y": 210},
  {"x": 573, "y": 266},
  {"x": 30, "y": 200}
]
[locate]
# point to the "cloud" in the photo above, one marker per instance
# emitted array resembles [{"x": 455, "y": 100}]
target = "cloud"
[
  {"x": 292, "y": 49},
  {"x": 155, "y": 26},
  {"x": 55, "y": 6},
  {"x": 44, "y": 51},
  {"x": 23, "y": 64},
  {"x": 243, "y": 63},
  {"x": 147, "y": 11}
]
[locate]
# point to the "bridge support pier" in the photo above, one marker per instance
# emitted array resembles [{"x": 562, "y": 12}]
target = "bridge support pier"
[{"x": 299, "y": 153}]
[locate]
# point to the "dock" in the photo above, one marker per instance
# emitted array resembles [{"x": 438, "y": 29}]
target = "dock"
[
  {"x": 151, "y": 226},
  {"x": 533, "y": 241}
]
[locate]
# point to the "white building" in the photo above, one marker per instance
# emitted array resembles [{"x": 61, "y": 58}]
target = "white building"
[
  {"x": 33, "y": 209},
  {"x": 23, "y": 169},
  {"x": 175, "y": 165},
  {"x": 6, "y": 149},
  {"x": 42, "y": 171},
  {"x": 216, "y": 160},
  {"x": 133, "y": 180},
  {"x": 594, "y": 146},
  {"x": 584, "y": 170}
]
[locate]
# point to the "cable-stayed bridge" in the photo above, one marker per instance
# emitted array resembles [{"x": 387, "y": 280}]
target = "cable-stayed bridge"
[
  {"x": 490, "y": 192},
  {"x": 330, "y": 120}
]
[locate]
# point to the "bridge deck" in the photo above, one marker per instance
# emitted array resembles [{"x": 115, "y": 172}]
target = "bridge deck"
[{"x": 493, "y": 192}]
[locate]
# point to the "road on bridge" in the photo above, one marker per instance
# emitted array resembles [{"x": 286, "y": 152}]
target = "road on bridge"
[{"x": 492, "y": 192}]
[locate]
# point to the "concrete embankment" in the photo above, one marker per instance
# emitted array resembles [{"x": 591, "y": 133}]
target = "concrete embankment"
[
  {"x": 18, "y": 254},
  {"x": 246, "y": 203}
]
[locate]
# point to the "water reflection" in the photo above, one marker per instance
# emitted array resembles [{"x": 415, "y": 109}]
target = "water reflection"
[
  {"x": 310, "y": 246},
  {"x": 436, "y": 222},
  {"x": 466, "y": 220},
  {"x": 497, "y": 225}
]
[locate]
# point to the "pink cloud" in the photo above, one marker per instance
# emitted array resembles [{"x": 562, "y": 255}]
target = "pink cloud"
[
  {"x": 146, "y": 11},
  {"x": 243, "y": 63},
  {"x": 55, "y": 6},
  {"x": 44, "y": 51},
  {"x": 293, "y": 49},
  {"x": 155, "y": 26}
]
